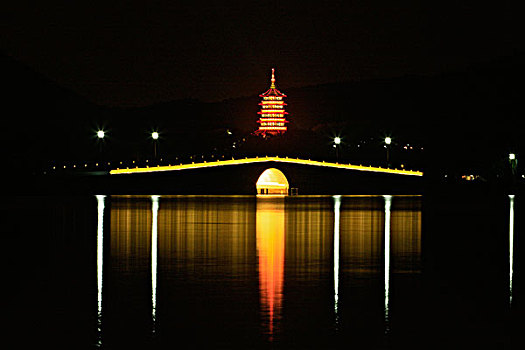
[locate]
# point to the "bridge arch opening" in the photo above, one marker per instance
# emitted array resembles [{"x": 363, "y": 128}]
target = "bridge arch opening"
[{"x": 272, "y": 181}]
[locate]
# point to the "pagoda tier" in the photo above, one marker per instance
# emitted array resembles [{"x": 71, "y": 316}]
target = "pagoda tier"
[{"x": 272, "y": 120}]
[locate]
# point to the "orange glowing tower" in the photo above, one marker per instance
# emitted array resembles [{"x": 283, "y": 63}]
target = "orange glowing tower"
[{"x": 272, "y": 120}]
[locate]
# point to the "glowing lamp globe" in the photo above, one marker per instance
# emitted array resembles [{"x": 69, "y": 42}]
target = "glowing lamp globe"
[
  {"x": 100, "y": 134},
  {"x": 388, "y": 140},
  {"x": 337, "y": 140},
  {"x": 155, "y": 135}
]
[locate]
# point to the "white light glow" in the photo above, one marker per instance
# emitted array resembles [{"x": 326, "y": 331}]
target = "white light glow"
[
  {"x": 100, "y": 256},
  {"x": 337, "y": 140},
  {"x": 337, "y": 209},
  {"x": 388, "y": 140},
  {"x": 154, "y": 245},
  {"x": 512, "y": 156},
  {"x": 511, "y": 245},
  {"x": 155, "y": 135},
  {"x": 100, "y": 134},
  {"x": 270, "y": 183},
  {"x": 388, "y": 201}
]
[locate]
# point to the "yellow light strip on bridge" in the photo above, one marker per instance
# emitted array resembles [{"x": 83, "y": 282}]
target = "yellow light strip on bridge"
[{"x": 264, "y": 159}]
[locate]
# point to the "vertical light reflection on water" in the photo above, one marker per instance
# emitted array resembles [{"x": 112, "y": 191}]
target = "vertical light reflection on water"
[
  {"x": 388, "y": 201},
  {"x": 100, "y": 241},
  {"x": 511, "y": 245},
  {"x": 270, "y": 250},
  {"x": 337, "y": 212},
  {"x": 154, "y": 245}
]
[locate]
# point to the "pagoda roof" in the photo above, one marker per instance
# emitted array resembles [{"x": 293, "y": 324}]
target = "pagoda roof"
[
  {"x": 273, "y": 111},
  {"x": 272, "y": 92},
  {"x": 277, "y": 102}
]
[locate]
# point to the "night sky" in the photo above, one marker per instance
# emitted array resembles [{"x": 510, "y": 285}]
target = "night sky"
[{"x": 136, "y": 53}]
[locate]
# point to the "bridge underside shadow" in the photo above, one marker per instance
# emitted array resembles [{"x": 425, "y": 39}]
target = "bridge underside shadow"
[{"x": 241, "y": 180}]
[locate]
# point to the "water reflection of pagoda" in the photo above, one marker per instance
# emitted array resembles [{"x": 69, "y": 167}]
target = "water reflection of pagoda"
[
  {"x": 272, "y": 120},
  {"x": 270, "y": 233}
]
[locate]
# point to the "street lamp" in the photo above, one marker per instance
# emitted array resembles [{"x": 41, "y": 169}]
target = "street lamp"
[
  {"x": 513, "y": 164},
  {"x": 155, "y": 137},
  {"x": 337, "y": 142},
  {"x": 388, "y": 141},
  {"x": 101, "y": 134}
]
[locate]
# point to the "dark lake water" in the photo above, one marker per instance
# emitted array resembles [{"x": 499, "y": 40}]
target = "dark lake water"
[{"x": 375, "y": 272}]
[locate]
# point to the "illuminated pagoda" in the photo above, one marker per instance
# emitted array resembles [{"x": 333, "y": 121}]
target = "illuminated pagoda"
[{"x": 272, "y": 120}]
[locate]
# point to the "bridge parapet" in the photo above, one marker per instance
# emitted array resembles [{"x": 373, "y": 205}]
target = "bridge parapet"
[{"x": 257, "y": 159}]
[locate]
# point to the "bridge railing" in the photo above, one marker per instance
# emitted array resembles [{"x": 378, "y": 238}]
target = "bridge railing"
[{"x": 257, "y": 159}]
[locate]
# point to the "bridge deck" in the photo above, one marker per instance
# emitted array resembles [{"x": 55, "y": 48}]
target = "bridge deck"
[{"x": 265, "y": 159}]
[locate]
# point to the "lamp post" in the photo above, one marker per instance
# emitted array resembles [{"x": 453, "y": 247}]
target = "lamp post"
[
  {"x": 337, "y": 142},
  {"x": 155, "y": 137},
  {"x": 388, "y": 141},
  {"x": 513, "y": 165},
  {"x": 100, "y": 135}
]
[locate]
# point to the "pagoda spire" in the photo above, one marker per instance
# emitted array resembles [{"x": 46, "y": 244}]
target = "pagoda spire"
[{"x": 273, "y": 79}]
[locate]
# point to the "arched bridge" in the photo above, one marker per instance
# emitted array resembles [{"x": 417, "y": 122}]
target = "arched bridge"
[{"x": 245, "y": 176}]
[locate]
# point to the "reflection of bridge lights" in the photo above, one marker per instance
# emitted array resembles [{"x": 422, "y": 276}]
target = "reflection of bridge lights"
[
  {"x": 388, "y": 201},
  {"x": 154, "y": 244},
  {"x": 337, "y": 207},
  {"x": 100, "y": 241},
  {"x": 511, "y": 245}
]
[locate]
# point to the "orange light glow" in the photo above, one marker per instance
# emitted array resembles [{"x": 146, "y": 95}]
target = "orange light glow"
[
  {"x": 273, "y": 120},
  {"x": 270, "y": 249},
  {"x": 272, "y": 181},
  {"x": 274, "y": 102},
  {"x": 274, "y": 111},
  {"x": 272, "y": 128}
]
